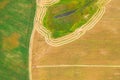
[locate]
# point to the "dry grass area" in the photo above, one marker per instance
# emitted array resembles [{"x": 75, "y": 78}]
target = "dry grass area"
[{"x": 100, "y": 45}]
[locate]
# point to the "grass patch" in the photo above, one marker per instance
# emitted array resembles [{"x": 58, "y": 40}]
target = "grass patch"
[
  {"x": 68, "y": 15},
  {"x": 16, "y": 24}
]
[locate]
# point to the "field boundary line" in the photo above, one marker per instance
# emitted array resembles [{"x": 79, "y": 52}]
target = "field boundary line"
[{"x": 85, "y": 65}]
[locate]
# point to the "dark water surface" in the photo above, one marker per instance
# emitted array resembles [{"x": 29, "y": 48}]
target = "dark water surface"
[{"x": 65, "y": 14}]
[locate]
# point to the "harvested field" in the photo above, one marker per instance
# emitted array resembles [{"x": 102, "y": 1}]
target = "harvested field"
[
  {"x": 98, "y": 46},
  {"x": 76, "y": 74}
]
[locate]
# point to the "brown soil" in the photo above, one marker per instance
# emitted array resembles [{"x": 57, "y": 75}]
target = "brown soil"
[{"x": 12, "y": 40}]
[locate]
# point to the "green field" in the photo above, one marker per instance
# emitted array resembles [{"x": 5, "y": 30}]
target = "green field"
[
  {"x": 68, "y": 15},
  {"x": 16, "y": 23}
]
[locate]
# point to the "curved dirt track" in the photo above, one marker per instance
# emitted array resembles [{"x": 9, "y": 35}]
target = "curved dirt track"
[{"x": 41, "y": 12}]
